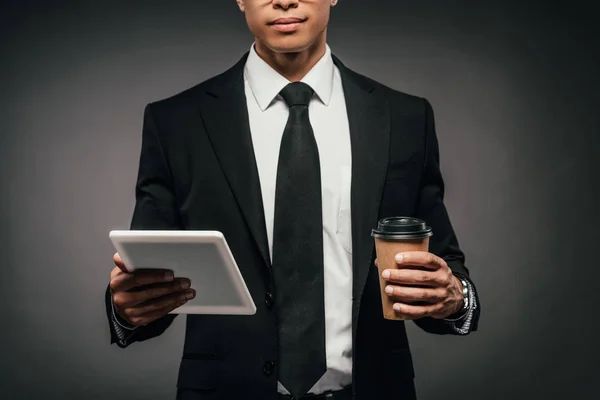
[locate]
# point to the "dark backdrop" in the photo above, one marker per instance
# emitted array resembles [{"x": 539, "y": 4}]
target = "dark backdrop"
[{"x": 515, "y": 91}]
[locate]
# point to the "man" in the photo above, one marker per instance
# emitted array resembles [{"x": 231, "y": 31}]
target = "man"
[{"x": 295, "y": 157}]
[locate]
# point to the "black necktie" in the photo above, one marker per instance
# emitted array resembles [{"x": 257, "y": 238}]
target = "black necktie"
[{"x": 298, "y": 249}]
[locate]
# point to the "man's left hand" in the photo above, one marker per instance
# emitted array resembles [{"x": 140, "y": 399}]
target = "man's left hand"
[{"x": 423, "y": 286}]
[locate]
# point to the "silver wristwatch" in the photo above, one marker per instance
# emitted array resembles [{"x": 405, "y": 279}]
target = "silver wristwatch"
[{"x": 465, "y": 292}]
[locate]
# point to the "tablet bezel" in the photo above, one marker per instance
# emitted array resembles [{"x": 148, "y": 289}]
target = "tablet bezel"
[{"x": 120, "y": 237}]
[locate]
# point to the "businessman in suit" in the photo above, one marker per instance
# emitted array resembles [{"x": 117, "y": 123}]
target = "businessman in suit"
[{"x": 295, "y": 157}]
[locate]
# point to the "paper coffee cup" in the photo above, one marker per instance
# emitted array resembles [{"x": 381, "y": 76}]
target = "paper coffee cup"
[{"x": 396, "y": 235}]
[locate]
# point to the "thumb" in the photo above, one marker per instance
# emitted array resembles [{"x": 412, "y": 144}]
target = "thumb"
[{"x": 119, "y": 262}]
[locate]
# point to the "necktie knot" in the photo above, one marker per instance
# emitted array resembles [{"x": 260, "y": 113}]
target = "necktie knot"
[{"x": 297, "y": 94}]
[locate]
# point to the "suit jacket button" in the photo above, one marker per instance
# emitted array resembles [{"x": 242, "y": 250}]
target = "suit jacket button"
[
  {"x": 269, "y": 301},
  {"x": 268, "y": 368}
]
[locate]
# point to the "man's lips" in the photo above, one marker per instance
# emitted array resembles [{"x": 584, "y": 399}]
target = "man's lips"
[
  {"x": 286, "y": 24},
  {"x": 287, "y": 21}
]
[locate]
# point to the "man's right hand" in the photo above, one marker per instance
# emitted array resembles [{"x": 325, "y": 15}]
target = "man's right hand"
[{"x": 145, "y": 295}]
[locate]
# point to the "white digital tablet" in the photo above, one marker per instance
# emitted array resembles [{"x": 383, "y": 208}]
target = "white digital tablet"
[{"x": 201, "y": 256}]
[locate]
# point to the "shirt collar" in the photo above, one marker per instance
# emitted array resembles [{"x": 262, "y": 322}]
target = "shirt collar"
[{"x": 266, "y": 83}]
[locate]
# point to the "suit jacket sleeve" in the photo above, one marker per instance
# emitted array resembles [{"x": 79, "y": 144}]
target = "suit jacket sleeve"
[
  {"x": 444, "y": 242},
  {"x": 155, "y": 209}
]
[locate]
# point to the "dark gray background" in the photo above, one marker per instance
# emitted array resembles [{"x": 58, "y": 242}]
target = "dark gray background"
[{"x": 515, "y": 91}]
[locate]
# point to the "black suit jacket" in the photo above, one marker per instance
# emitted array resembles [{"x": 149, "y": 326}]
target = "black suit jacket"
[{"x": 197, "y": 171}]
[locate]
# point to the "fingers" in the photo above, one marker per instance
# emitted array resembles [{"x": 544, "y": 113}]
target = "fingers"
[
  {"x": 421, "y": 285},
  {"x": 140, "y": 277},
  {"x": 414, "y": 277},
  {"x": 418, "y": 268},
  {"x": 412, "y": 295},
  {"x": 421, "y": 259},
  {"x": 145, "y": 295},
  {"x": 132, "y": 298},
  {"x": 156, "y": 308}
]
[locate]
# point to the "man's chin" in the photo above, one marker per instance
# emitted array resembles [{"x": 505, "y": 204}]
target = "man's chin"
[{"x": 288, "y": 45}]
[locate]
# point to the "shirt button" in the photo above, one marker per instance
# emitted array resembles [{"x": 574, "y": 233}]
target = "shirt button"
[
  {"x": 269, "y": 300},
  {"x": 268, "y": 368}
]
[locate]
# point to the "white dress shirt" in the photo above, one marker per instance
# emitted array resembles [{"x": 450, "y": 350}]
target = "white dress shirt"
[{"x": 268, "y": 114}]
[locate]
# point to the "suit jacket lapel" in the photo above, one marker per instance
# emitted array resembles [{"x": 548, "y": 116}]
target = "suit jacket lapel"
[
  {"x": 225, "y": 115},
  {"x": 369, "y": 121}
]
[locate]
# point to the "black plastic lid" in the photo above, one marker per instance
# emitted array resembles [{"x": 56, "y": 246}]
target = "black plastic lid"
[{"x": 401, "y": 228}]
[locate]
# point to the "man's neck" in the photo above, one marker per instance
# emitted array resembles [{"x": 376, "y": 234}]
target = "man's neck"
[{"x": 293, "y": 66}]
